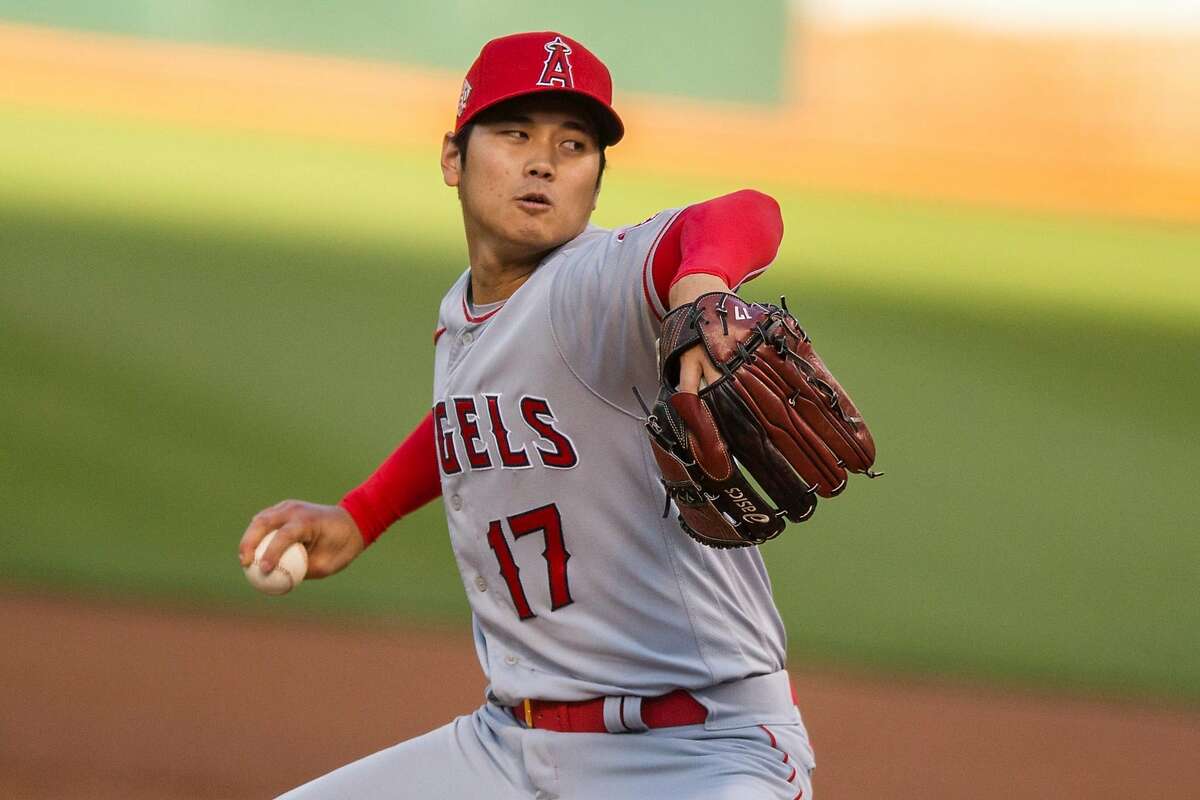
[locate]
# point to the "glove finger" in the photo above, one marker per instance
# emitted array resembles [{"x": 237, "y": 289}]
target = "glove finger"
[
  {"x": 829, "y": 410},
  {"x": 756, "y": 454},
  {"x": 704, "y": 437},
  {"x": 799, "y": 445},
  {"x": 809, "y": 410}
]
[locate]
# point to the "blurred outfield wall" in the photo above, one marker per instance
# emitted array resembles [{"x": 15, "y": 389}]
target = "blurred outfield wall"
[
  {"x": 664, "y": 46},
  {"x": 1080, "y": 123}
]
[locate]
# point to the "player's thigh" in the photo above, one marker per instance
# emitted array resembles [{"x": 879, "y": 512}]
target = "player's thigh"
[
  {"x": 790, "y": 744},
  {"x": 756, "y": 762},
  {"x": 688, "y": 764},
  {"x": 465, "y": 759}
]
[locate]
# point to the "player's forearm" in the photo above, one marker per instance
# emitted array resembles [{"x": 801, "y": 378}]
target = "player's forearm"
[
  {"x": 733, "y": 237},
  {"x": 405, "y": 481},
  {"x": 689, "y": 287}
]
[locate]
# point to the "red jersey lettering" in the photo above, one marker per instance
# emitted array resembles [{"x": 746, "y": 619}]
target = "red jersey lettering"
[
  {"x": 468, "y": 429},
  {"x": 517, "y": 459},
  {"x": 445, "y": 441},
  {"x": 539, "y": 417}
]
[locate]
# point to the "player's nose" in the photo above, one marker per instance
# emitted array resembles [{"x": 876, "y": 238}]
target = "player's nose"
[
  {"x": 541, "y": 168},
  {"x": 540, "y": 158}
]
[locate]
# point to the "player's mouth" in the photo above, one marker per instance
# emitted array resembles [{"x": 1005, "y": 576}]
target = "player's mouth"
[{"x": 534, "y": 202}]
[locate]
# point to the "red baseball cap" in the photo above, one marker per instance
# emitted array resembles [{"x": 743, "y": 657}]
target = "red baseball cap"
[{"x": 543, "y": 61}]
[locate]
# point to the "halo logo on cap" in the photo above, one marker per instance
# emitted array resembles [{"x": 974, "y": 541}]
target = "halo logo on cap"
[
  {"x": 534, "y": 62},
  {"x": 462, "y": 98},
  {"x": 557, "y": 69}
]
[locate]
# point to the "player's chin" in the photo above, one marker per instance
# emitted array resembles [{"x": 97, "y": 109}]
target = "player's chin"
[{"x": 538, "y": 236}]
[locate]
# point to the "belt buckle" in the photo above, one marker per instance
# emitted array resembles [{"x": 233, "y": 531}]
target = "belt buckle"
[{"x": 528, "y": 712}]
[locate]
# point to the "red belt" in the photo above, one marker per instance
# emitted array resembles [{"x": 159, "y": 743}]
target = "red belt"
[{"x": 587, "y": 716}]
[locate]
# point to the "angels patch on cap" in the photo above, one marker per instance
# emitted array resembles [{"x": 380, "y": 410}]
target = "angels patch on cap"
[{"x": 542, "y": 61}]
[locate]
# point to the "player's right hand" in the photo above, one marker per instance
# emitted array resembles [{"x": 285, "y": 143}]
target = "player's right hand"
[
  {"x": 329, "y": 534},
  {"x": 696, "y": 369}
]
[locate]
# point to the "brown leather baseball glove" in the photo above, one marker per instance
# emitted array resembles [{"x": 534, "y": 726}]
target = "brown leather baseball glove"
[{"x": 776, "y": 412}]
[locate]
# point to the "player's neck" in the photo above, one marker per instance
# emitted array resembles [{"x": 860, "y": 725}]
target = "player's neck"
[
  {"x": 496, "y": 275},
  {"x": 487, "y": 287}
]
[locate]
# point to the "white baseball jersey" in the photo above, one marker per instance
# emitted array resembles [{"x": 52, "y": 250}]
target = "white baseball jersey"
[{"x": 578, "y": 585}]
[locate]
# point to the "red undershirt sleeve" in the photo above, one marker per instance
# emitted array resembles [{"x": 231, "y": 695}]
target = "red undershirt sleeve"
[
  {"x": 734, "y": 237},
  {"x": 407, "y": 480}
]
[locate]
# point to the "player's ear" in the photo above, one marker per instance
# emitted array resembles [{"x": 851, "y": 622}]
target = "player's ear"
[{"x": 451, "y": 161}]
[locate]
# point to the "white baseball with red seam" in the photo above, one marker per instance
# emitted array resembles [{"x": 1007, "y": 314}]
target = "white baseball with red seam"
[{"x": 287, "y": 573}]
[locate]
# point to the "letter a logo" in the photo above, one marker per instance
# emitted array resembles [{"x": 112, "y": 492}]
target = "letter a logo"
[
  {"x": 557, "y": 69},
  {"x": 462, "y": 98}
]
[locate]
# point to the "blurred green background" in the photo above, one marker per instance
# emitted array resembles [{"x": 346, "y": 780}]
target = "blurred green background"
[
  {"x": 664, "y": 46},
  {"x": 200, "y": 322}
]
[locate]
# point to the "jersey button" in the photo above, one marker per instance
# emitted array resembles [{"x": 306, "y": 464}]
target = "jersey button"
[
  {"x": 511, "y": 660},
  {"x": 468, "y": 337},
  {"x": 481, "y": 583},
  {"x": 456, "y": 502}
]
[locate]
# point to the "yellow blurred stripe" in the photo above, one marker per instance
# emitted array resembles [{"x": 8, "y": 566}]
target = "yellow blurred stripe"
[{"x": 1100, "y": 125}]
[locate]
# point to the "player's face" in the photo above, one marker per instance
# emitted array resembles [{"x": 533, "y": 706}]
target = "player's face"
[{"x": 531, "y": 175}]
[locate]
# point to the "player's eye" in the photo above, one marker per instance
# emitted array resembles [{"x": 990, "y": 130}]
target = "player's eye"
[
  {"x": 515, "y": 134},
  {"x": 575, "y": 145}
]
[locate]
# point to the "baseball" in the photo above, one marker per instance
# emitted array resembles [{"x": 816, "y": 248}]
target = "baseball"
[{"x": 287, "y": 573}]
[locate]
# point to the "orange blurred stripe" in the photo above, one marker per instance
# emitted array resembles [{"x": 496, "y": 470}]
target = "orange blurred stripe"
[{"x": 1073, "y": 123}]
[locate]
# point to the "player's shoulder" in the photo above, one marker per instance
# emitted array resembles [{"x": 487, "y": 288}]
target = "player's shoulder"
[
  {"x": 452, "y": 300},
  {"x": 588, "y": 246},
  {"x": 627, "y": 238},
  {"x": 651, "y": 224},
  {"x": 591, "y": 236},
  {"x": 457, "y": 287}
]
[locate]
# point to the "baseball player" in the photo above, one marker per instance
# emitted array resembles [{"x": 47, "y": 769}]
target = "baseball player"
[{"x": 624, "y": 659}]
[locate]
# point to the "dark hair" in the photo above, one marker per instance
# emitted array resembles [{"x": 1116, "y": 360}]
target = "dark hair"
[{"x": 461, "y": 138}]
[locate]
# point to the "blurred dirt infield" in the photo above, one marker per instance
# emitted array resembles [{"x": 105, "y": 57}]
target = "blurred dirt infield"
[
  {"x": 103, "y": 700},
  {"x": 1080, "y": 123}
]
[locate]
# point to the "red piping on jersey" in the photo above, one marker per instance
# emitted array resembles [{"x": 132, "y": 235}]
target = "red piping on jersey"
[
  {"x": 438, "y": 334},
  {"x": 484, "y": 318},
  {"x": 646, "y": 267}
]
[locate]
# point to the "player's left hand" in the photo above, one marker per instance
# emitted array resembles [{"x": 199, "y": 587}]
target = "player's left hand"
[{"x": 695, "y": 367}]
